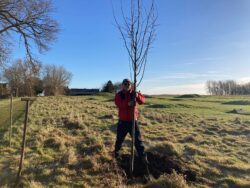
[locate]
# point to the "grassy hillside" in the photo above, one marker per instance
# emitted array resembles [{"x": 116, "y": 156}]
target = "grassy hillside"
[{"x": 70, "y": 142}]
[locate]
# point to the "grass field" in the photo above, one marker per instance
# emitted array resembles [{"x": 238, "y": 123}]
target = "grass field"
[
  {"x": 70, "y": 142},
  {"x": 18, "y": 111}
]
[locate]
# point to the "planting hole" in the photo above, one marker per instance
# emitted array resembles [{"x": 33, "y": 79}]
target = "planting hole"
[{"x": 158, "y": 165}]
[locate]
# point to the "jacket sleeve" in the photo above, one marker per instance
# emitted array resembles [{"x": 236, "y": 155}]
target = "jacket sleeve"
[
  {"x": 140, "y": 98},
  {"x": 118, "y": 102}
]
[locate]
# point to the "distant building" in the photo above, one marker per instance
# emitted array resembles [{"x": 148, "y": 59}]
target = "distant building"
[
  {"x": 75, "y": 91},
  {"x": 42, "y": 94},
  {"x": 3, "y": 89}
]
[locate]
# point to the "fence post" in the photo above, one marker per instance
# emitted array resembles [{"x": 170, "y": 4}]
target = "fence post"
[
  {"x": 28, "y": 99},
  {"x": 11, "y": 108}
]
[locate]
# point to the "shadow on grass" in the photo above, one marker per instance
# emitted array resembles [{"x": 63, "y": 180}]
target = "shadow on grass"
[
  {"x": 176, "y": 99},
  {"x": 71, "y": 125},
  {"x": 113, "y": 128},
  {"x": 239, "y": 102},
  {"x": 230, "y": 182},
  {"x": 8, "y": 177},
  {"x": 45, "y": 172},
  {"x": 3, "y": 140},
  {"x": 159, "y": 106},
  {"x": 110, "y": 116}
]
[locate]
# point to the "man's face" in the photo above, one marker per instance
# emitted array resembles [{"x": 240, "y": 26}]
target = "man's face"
[{"x": 126, "y": 86}]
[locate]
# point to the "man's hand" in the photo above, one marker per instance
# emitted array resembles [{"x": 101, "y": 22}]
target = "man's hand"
[
  {"x": 132, "y": 103},
  {"x": 136, "y": 94}
]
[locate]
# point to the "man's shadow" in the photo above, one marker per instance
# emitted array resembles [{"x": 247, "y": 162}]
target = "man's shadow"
[{"x": 113, "y": 128}]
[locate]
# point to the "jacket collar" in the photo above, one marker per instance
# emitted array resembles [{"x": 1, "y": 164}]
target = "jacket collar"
[{"x": 126, "y": 92}]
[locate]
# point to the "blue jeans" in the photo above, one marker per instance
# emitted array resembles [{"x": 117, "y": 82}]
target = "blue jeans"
[{"x": 125, "y": 127}]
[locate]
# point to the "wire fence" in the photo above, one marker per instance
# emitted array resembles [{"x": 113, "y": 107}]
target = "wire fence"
[{"x": 18, "y": 111}]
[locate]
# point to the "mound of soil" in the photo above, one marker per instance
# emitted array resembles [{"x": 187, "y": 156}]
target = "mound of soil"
[
  {"x": 157, "y": 166},
  {"x": 188, "y": 96},
  {"x": 239, "y": 111}
]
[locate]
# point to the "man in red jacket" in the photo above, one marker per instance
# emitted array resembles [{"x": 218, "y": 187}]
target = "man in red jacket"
[{"x": 123, "y": 101}]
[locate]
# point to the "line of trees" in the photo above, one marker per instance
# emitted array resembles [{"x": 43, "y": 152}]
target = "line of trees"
[
  {"x": 25, "y": 79},
  {"x": 228, "y": 87}
]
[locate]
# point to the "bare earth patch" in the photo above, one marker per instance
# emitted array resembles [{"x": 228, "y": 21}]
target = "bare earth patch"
[{"x": 157, "y": 166}]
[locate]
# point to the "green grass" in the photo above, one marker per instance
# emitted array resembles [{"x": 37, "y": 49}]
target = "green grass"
[
  {"x": 204, "y": 107},
  {"x": 18, "y": 111},
  {"x": 70, "y": 141}
]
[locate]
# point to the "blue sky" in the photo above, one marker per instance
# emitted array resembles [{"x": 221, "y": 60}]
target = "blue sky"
[{"x": 197, "y": 40}]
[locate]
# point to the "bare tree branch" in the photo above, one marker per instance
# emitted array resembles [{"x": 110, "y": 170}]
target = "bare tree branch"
[
  {"x": 138, "y": 33},
  {"x": 31, "y": 20}
]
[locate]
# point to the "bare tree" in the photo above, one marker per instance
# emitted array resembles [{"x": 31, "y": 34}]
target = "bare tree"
[
  {"x": 138, "y": 33},
  {"x": 22, "y": 77},
  {"x": 31, "y": 20},
  {"x": 56, "y": 79},
  {"x": 209, "y": 87},
  {"x": 4, "y": 52},
  {"x": 228, "y": 87}
]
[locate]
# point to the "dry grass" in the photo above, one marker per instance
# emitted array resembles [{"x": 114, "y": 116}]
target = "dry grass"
[
  {"x": 168, "y": 180},
  {"x": 70, "y": 142}
]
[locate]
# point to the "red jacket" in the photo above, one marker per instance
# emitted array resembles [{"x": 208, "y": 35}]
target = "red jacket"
[{"x": 122, "y": 99}]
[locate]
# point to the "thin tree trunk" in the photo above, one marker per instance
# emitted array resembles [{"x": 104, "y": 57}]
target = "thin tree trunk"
[
  {"x": 133, "y": 128},
  {"x": 138, "y": 33}
]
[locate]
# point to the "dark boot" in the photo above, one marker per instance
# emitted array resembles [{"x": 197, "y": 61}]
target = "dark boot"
[
  {"x": 116, "y": 154},
  {"x": 144, "y": 159}
]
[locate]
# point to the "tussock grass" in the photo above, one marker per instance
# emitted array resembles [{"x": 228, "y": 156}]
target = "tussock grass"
[
  {"x": 166, "y": 149},
  {"x": 173, "y": 180},
  {"x": 70, "y": 141}
]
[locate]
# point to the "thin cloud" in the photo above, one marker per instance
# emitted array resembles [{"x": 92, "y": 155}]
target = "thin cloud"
[
  {"x": 189, "y": 76},
  {"x": 243, "y": 80},
  {"x": 193, "y": 88},
  {"x": 179, "y": 89},
  {"x": 196, "y": 61}
]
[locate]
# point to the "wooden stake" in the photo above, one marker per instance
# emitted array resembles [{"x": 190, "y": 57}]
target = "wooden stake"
[
  {"x": 24, "y": 138},
  {"x": 11, "y": 107}
]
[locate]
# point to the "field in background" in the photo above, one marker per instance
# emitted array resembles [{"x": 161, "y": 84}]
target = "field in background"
[
  {"x": 18, "y": 111},
  {"x": 70, "y": 141}
]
